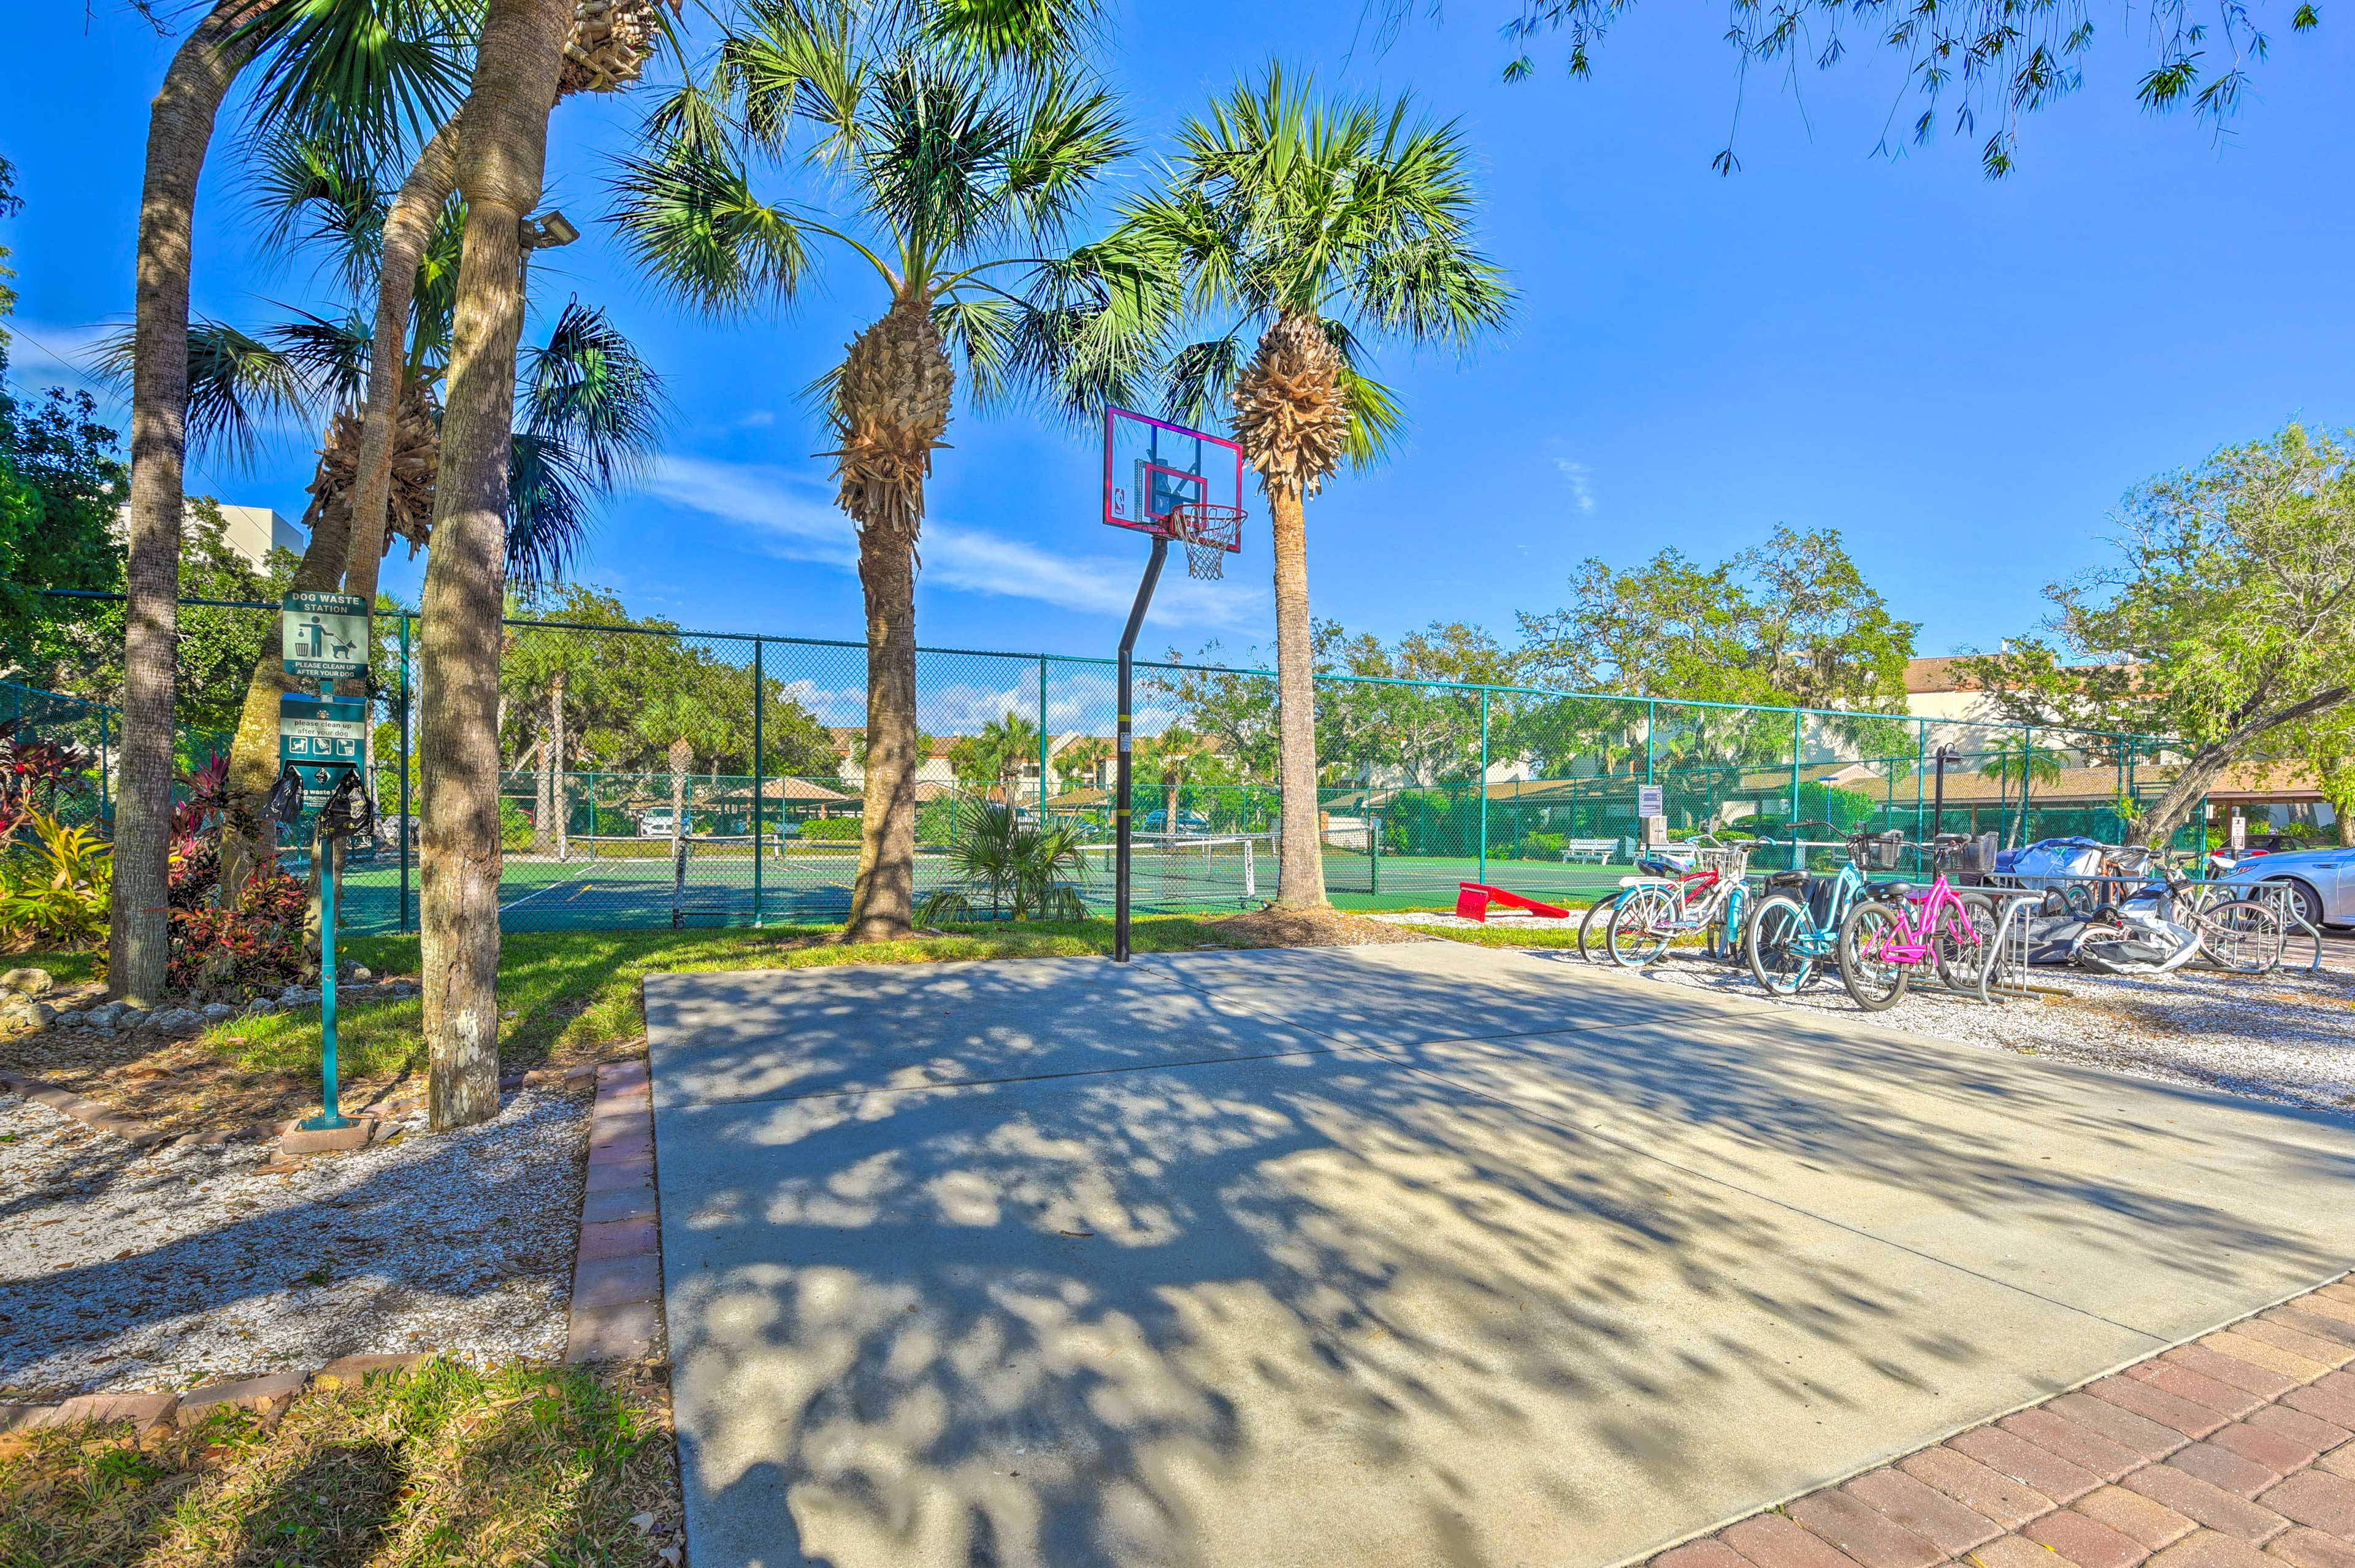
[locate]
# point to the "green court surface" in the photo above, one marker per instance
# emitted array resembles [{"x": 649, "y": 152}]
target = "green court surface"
[{"x": 539, "y": 892}]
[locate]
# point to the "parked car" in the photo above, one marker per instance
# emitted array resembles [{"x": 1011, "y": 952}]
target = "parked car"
[
  {"x": 656, "y": 824},
  {"x": 1154, "y": 822},
  {"x": 2321, "y": 882}
]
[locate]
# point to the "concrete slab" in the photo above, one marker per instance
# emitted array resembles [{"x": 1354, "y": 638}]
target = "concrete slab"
[
  {"x": 1304, "y": 1271},
  {"x": 781, "y": 1033}
]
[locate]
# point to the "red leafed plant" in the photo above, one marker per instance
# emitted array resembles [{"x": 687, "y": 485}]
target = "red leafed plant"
[
  {"x": 225, "y": 954},
  {"x": 196, "y": 819},
  {"x": 32, "y": 772}
]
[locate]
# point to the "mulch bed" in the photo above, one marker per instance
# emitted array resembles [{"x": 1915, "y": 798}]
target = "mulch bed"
[{"x": 1310, "y": 928}]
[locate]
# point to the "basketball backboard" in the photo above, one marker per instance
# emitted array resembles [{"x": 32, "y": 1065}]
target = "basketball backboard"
[{"x": 1155, "y": 470}]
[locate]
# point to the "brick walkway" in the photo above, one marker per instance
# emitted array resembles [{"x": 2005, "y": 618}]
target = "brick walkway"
[{"x": 2232, "y": 1452}]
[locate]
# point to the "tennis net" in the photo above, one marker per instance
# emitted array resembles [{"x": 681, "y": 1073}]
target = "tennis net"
[
  {"x": 628, "y": 850},
  {"x": 1185, "y": 869}
]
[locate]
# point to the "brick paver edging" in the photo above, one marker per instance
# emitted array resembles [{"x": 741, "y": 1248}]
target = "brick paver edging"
[
  {"x": 617, "y": 1269},
  {"x": 2235, "y": 1450},
  {"x": 186, "y": 1408}
]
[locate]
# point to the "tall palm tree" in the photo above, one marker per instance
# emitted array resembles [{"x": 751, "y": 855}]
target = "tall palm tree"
[
  {"x": 941, "y": 158},
  {"x": 1314, "y": 226},
  {"x": 360, "y": 62},
  {"x": 2017, "y": 758}
]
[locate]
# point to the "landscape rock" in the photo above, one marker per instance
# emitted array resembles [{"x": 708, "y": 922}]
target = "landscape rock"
[
  {"x": 106, "y": 1014},
  {"x": 173, "y": 1021},
  {"x": 29, "y": 982},
  {"x": 219, "y": 1012},
  {"x": 261, "y": 1005},
  {"x": 70, "y": 1020}
]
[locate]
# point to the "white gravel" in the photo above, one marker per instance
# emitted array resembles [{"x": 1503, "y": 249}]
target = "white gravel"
[
  {"x": 187, "y": 1265},
  {"x": 2288, "y": 1037}
]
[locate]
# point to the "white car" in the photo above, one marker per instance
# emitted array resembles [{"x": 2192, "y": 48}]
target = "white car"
[
  {"x": 656, "y": 824},
  {"x": 2321, "y": 882}
]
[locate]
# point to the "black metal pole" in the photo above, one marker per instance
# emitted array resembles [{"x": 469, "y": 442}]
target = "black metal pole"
[{"x": 1122, "y": 751}]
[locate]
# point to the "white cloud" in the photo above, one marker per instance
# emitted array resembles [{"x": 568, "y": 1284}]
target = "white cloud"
[
  {"x": 1578, "y": 477},
  {"x": 792, "y": 515}
]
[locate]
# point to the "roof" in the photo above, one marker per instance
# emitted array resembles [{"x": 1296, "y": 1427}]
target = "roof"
[{"x": 1938, "y": 675}]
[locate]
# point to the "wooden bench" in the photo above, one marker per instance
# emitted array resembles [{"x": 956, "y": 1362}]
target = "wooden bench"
[{"x": 1601, "y": 851}]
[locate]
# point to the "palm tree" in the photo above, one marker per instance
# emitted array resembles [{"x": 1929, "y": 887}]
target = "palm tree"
[
  {"x": 1315, "y": 225},
  {"x": 1010, "y": 744},
  {"x": 1084, "y": 759},
  {"x": 358, "y": 62},
  {"x": 2015, "y": 757},
  {"x": 592, "y": 408},
  {"x": 1172, "y": 754},
  {"x": 939, "y": 160}
]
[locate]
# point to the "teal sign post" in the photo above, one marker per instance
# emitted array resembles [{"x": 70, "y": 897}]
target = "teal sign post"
[{"x": 324, "y": 742}]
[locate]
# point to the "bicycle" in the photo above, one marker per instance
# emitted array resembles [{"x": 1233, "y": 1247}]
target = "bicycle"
[
  {"x": 1650, "y": 915},
  {"x": 1656, "y": 868},
  {"x": 1798, "y": 924},
  {"x": 1898, "y": 928},
  {"x": 2180, "y": 920}
]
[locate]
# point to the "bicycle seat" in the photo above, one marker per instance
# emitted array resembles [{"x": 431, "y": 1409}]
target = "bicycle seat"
[
  {"x": 1892, "y": 891},
  {"x": 1787, "y": 879}
]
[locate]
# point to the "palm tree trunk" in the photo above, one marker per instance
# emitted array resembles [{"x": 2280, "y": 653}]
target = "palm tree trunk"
[
  {"x": 543, "y": 828},
  {"x": 407, "y": 229},
  {"x": 883, "y": 907},
  {"x": 563, "y": 801},
  {"x": 500, "y": 169},
  {"x": 1300, "y": 845},
  {"x": 180, "y": 130}
]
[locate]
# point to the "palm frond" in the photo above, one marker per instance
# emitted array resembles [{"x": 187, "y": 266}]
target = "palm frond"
[
  {"x": 1036, "y": 33},
  {"x": 238, "y": 385},
  {"x": 376, "y": 68},
  {"x": 548, "y": 509},
  {"x": 588, "y": 389},
  {"x": 689, "y": 216},
  {"x": 331, "y": 357},
  {"x": 320, "y": 189}
]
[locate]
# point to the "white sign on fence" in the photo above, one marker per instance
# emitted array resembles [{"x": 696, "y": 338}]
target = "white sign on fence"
[{"x": 1651, "y": 800}]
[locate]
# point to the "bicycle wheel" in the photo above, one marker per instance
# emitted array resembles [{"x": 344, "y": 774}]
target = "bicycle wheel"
[
  {"x": 1772, "y": 946},
  {"x": 1640, "y": 927},
  {"x": 1593, "y": 923},
  {"x": 1963, "y": 960},
  {"x": 2242, "y": 936},
  {"x": 1873, "y": 982},
  {"x": 1726, "y": 935}
]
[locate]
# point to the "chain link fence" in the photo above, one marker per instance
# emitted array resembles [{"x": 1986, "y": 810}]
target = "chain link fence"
[{"x": 661, "y": 777}]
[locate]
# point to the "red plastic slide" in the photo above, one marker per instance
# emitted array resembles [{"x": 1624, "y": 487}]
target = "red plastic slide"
[{"x": 1473, "y": 898}]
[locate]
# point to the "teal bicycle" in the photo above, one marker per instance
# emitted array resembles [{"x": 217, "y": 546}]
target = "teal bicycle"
[{"x": 1795, "y": 932}]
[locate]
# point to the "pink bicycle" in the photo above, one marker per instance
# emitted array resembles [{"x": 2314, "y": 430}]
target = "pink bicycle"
[{"x": 1896, "y": 929}]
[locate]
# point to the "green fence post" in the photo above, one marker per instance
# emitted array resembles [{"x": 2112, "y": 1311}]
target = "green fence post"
[
  {"x": 1042, "y": 742},
  {"x": 760, "y": 757},
  {"x": 1651, "y": 715},
  {"x": 1921, "y": 761},
  {"x": 406, "y": 825},
  {"x": 1481, "y": 782},
  {"x": 1798, "y": 852}
]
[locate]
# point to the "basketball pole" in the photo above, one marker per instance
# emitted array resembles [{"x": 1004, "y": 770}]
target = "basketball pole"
[{"x": 1123, "y": 749}]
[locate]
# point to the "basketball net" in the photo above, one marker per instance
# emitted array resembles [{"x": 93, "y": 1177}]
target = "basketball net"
[{"x": 1209, "y": 534}]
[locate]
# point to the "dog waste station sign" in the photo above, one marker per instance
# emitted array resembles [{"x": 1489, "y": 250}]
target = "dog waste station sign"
[
  {"x": 322, "y": 739},
  {"x": 324, "y": 636}
]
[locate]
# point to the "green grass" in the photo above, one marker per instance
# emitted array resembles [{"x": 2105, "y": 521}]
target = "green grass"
[
  {"x": 439, "y": 1469},
  {"x": 567, "y": 995},
  {"x": 65, "y": 968}
]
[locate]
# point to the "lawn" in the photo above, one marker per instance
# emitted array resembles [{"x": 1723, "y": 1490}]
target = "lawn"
[
  {"x": 571, "y": 996},
  {"x": 437, "y": 1469}
]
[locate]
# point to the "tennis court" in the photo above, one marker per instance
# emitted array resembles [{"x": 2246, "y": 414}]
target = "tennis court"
[{"x": 636, "y": 882}]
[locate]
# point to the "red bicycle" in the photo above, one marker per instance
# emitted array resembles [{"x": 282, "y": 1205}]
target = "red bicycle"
[{"x": 1896, "y": 929}]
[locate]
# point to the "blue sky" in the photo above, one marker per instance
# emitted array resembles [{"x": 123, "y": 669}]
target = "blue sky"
[{"x": 1963, "y": 377}]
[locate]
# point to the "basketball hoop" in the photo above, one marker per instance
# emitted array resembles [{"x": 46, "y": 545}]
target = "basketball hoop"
[{"x": 1209, "y": 533}]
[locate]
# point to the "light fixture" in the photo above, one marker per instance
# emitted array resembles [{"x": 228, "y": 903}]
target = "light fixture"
[{"x": 550, "y": 229}]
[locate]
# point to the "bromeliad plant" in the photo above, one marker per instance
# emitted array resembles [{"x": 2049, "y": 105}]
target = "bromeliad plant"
[
  {"x": 55, "y": 883},
  {"x": 1009, "y": 869},
  {"x": 32, "y": 774}
]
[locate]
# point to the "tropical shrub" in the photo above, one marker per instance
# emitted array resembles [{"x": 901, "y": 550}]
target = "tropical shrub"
[
  {"x": 228, "y": 954},
  {"x": 830, "y": 830},
  {"x": 1024, "y": 871},
  {"x": 32, "y": 772},
  {"x": 515, "y": 827},
  {"x": 55, "y": 881}
]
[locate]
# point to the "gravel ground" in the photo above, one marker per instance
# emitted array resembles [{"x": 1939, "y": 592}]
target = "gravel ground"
[
  {"x": 2288, "y": 1037},
  {"x": 185, "y": 1264}
]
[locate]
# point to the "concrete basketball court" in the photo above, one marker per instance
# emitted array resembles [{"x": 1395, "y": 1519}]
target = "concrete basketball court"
[{"x": 1389, "y": 1255}]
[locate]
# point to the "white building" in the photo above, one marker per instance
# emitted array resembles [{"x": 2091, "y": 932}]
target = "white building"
[{"x": 254, "y": 531}]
